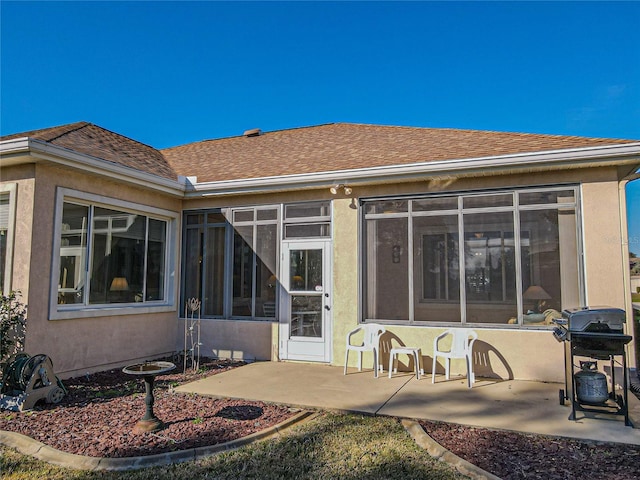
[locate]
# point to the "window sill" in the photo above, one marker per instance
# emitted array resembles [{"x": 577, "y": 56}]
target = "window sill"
[
  {"x": 479, "y": 326},
  {"x": 233, "y": 319},
  {"x": 110, "y": 311}
]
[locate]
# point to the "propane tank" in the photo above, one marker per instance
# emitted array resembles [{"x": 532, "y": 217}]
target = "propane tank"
[{"x": 591, "y": 385}]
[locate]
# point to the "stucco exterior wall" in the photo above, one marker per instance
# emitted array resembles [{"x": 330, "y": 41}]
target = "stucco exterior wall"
[
  {"x": 603, "y": 244},
  {"x": 235, "y": 339},
  {"x": 91, "y": 343},
  {"x": 24, "y": 178},
  {"x": 606, "y": 252},
  {"x": 498, "y": 353},
  {"x": 345, "y": 276}
]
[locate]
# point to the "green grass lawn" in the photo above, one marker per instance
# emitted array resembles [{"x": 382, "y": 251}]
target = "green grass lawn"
[{"x": 331, "y": 446}]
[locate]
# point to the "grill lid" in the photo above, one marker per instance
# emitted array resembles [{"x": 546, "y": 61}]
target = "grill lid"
[{"x": 595, "y": 319}]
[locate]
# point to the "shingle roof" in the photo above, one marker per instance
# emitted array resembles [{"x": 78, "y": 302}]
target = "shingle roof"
[
  {"x": 84, "y": 137},
  {"x": 322, "y": 148},
  {"x": 342, "y": 146}
]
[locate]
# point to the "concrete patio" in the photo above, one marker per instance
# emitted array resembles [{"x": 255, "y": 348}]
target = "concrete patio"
[{"x": 522, "y": 406}]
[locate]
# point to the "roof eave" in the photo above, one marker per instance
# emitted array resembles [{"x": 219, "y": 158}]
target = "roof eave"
[
  {"x": 30, "y": 150},
  {"x": 610, "y": 155}
]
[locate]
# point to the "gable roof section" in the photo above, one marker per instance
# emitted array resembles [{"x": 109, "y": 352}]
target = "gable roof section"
[
  {"x": 343, "y": 146},
  {"x": 90, "y": 139}
]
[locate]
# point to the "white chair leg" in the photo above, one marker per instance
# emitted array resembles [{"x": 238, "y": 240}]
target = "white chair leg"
[
  {"x": 471, "y": 378},
  {"x": 447, "y": 365},
  {"x": 433, "y": 369},
  {"x": 360, "y": 361},
  {"x": 390, "y": 364},
  {"x": 346, "y": 361},
  {"x": 416, "y": 364},
  {"x": 375, "y": 363}
]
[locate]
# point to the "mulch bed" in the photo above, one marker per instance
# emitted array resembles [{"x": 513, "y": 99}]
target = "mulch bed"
[
  {"x": 97, "y": 416},
  {"x": 511, "y": 455}
]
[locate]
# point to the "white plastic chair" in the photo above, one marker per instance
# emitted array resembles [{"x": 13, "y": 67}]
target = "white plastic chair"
[
  {"x": 370, "y": 343},
  {"x": 461, "y": 347}
]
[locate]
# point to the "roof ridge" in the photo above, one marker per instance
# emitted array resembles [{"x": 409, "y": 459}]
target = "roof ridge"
[
  {"x": 43, "y": 133},
  {"x": 395, "y": 127},
  {"x": 240, "y": 136},
  {"x": 70, "y": 127},
  {"x": 124, "y": 136},
  {"x": 475, "y": 130}
]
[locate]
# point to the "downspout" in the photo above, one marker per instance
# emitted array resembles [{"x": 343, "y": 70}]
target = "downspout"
[{"x": 626, "y": 273}]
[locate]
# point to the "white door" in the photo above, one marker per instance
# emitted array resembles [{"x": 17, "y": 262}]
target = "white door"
[{"x": 305, "y": 303}]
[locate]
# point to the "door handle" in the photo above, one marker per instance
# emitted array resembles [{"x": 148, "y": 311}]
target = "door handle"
[{"x": 327, "y": 307}]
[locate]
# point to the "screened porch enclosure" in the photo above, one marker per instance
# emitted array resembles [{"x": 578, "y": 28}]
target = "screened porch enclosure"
[
  {"x": 231, "y": 255},
  {"x": 236, "y": 261},
  {"x": 499, "y": 258}
]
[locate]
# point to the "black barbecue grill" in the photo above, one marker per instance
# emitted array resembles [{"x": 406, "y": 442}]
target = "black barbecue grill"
[{"x": 596, "y": 333}]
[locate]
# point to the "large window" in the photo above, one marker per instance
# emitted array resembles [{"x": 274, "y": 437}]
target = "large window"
[
  {"x": 110, "y": 255},
  {"x": 231, "y": 256},
  {"x": 502, "y": 258}
]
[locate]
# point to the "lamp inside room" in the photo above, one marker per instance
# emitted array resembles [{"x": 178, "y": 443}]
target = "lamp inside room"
[{"x": 538, "y": 294}]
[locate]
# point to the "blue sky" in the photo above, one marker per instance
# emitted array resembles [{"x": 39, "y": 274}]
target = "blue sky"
[{"x": 169, "y": 73}]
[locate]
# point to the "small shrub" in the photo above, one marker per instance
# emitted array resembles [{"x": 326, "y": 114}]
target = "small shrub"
[{"x": 13, "y": 318}]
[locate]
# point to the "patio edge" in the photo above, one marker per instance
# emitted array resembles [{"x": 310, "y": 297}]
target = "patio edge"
[
  {"x": 438, "y": 452},
  {"x": 28, "y": 446}
]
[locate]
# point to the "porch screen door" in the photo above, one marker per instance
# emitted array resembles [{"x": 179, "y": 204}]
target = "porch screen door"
[{"x": 305, "y": 326}]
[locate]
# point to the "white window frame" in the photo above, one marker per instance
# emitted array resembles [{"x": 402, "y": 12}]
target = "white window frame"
[
  {"x": 11, "y": 189},
  {"x": 64, "y": 312}
]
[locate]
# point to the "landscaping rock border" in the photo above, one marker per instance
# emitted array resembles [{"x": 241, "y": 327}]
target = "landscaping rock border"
[{"x": 29, "y": 446}]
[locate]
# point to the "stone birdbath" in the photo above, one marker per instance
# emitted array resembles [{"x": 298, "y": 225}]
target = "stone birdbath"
[{"x": 148, "y": 371}]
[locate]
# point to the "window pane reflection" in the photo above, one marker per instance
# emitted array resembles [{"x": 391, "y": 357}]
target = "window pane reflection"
[
  {"x": 266, "y": 257},
  {"x": 387, "y": 269},
  {"x": 306, "y": 316},
  {"x": 73, "y": 251},
  {"x": 117, "y": 272},
  {"x": 305, "y": 270},
  {"x": 550, "y": 279},
  {"x": 490, "y": 270},
  {"x": 214, "y": 267},
  {"x": 243, "y": 271},
  {"x": 436, "y": 269}
]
